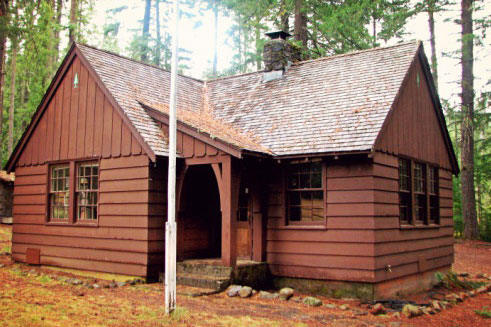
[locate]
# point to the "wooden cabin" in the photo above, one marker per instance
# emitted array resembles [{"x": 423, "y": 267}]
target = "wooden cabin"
[{"x": 336, "y": 170}]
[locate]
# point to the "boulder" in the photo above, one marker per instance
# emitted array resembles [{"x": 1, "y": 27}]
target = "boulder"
[
  {"x": 296, "y": 299},
  {"x": 120, "y": 284},
  {"x": 286, "y": 293},
  {"x": 267, "y": 295},
  {"x": 435, "y": 305},
  {"x": 410, "y": 311},
  {"x": 312, "y": 301},
  {"x": 233, "y": 290},
  {"x": 344, "y": 307},
  {"x": 378, "y": 309},
  {"x": 330, "y": 306},
  {"x": 245, "y": 291}
]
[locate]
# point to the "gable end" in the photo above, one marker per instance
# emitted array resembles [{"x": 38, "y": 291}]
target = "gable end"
[
  {"x": 46, "y": 123},
  {"x": 415, "y": 125}
]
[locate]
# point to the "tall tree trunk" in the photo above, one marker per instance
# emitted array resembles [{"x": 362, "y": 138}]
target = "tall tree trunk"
[
  {"x": 431, "y": 25},
  {"x": 284, "y": 17},
  {"x": 59, "y": 7},
  {"x": 374, "y": 31},
  {"x": 215, "y": 38},
  {"x": 467, "y": 96},
  {"x": 3, "y": 41},
  {"x": 73, "y": 22},
  {"x": 13, "y": 68},
  {"x": 257, "y": 31},
  {"x": 300, "y": 27},
  {"x": 158, "y": 46},
  {"x": 146, "y": 30}
]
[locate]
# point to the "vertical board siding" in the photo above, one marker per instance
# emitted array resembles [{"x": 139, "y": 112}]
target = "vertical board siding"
[
  {"x": 342, "y": 251},
  {"x": 403, "y": 248},
  {"x": 81, "y": 123},
  {"x": 412, "y": 128},
  {"x": 119, "y": 244},
  {"x": 78, "y": 123}
]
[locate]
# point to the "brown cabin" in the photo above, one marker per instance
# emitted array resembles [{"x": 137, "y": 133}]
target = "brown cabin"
[{"x": 337, "y": 170}]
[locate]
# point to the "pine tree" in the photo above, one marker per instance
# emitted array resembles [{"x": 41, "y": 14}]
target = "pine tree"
[{"x": 467, "y": 137}]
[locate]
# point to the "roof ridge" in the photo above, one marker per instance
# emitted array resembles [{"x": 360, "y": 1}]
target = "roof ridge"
[
  {"x": 418, "y": 42},
  {"x": 414, "y": 41},
  {"x": 135, "y": 61}
]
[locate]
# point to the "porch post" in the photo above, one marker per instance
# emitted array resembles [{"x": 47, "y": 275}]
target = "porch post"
[{"x": 229, "y": 199}]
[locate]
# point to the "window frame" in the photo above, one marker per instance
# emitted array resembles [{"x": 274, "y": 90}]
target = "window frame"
[
  {"x": 305, "y": 224},
  {"x": 428, "y": 220},
  {"x": 50, "y": 192},
  {"x": 77, "y": 191},
  {"x": 72, "y": 205}
]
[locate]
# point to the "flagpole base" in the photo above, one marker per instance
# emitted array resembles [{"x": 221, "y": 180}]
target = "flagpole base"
[{"x": 170, "y": 267}]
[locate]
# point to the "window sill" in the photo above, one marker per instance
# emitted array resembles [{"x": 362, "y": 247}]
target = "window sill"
[
  {"x": 303, "y": 227},
  {"x": 430, "y": 226},
  {"x": 68, "y": 224}
]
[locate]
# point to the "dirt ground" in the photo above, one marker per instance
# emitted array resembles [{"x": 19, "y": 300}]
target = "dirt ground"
[{"x": 36, "y": 296}]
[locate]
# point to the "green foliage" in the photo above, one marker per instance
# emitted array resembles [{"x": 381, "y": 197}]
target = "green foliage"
[
  {"x": 451, "y": 281},
  {"x": 37, "y": 59},
  {"x": 484, "y": 312}
]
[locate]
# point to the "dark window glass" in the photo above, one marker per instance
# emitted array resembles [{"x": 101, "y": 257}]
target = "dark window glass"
[
  {"x": 243, "y": 212},
  {"x": 87, "y": 190},
  {"x": 420, "y": 191},
  {"x": 59, "y": 192},
  {"x": 433, "y": 193},
  {"x": 305, "y": 195},
  {"x": 405, "y": 203}
]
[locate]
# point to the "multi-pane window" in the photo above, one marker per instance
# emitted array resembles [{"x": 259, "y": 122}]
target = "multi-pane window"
[
  {"x": 59, "y": 192},
  {"x": 87, "y": 190},
  {"x": 243, "y": 212},
  {"x": 433, "y": 193},
  {"x": 405, "y": 204},
  {"x": 305, "y": 193},
  {"x": 418, "y": 193}
]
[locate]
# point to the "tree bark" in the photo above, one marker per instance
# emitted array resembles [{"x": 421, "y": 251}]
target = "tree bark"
[
  {"x": 3, "y": 41},
  {"x": 300, "y": 27},
  {"x": 215, "y": 38},
  {"x": 158, "y": 45},
  {"x": 59, "y": 7},
  {"x": 467, "y": 97},
  {"x": 146, "y": 30},
  {"x": 431, "y": 25},
  {"x": 284, "y": 17},
  {"x": 13, "y": 69},
  {"x": 73, "y": 22}
]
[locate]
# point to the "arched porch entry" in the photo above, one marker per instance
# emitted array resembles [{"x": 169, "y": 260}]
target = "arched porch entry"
[
  {"x": 207, "y": 199},
  {"x": 199, "y": 214}
]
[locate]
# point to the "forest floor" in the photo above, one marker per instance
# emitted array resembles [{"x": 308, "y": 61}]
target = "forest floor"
[{"x": 38, "y": 296}]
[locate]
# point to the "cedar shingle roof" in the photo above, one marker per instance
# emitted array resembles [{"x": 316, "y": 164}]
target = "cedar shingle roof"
[{"x": 332, "y": 104}]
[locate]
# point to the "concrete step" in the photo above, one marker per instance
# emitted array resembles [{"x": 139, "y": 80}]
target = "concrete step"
[
  {"x": 203, "y": 281},
  {"x": 203, "y": 269}
]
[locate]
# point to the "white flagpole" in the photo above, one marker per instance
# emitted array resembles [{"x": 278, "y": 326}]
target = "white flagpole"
[{"x": 171, "y": 226}]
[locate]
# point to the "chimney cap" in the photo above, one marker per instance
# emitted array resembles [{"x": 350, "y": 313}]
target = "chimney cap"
[{"x": 278, "y": 35}]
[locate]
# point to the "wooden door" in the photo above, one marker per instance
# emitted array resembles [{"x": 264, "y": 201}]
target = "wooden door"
[{"x": 244, "y": 224}]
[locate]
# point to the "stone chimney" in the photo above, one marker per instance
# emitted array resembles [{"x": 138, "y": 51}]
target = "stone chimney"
[{"x": 278, "y": 55}]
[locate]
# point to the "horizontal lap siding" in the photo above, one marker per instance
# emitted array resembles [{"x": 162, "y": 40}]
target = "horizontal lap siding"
[
  {"x": 79, "y": 122},
  {"x": 119, "y": 244},
  {"x": 403, "y": 249},
  {"x": 157, "y": 217},
  {"x": 344, "y": 250}
]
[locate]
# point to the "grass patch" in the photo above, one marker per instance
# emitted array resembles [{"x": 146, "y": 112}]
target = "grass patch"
[
  {"x": 6, "y": 249},
  {"x": 451, "y": 281},
  {"x": 484, "y": 312}
]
